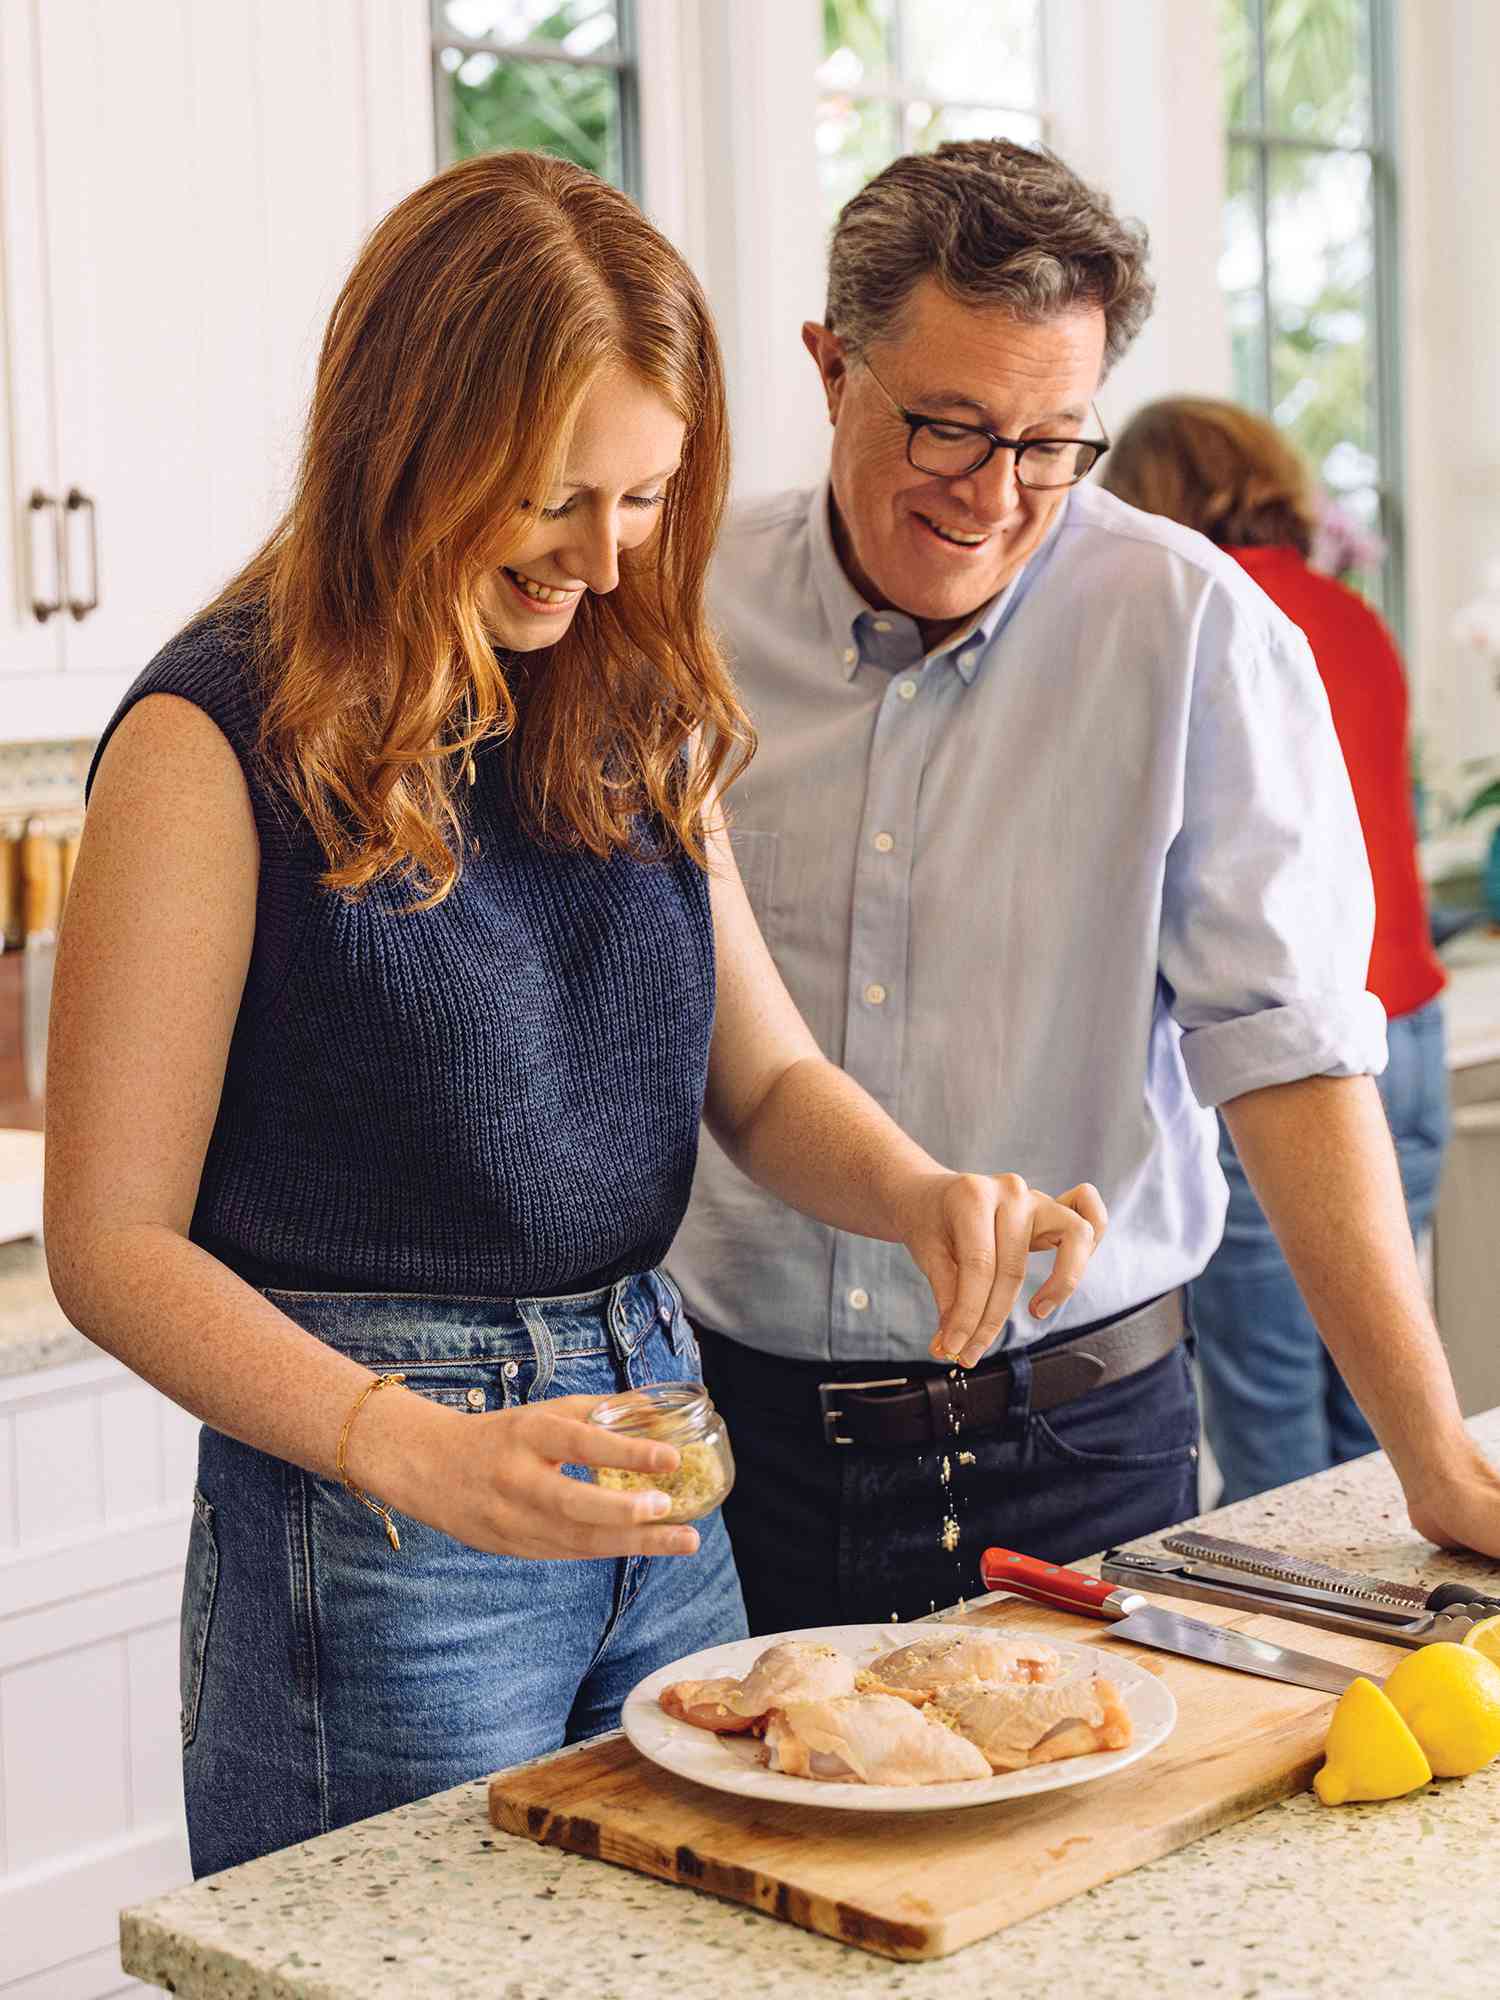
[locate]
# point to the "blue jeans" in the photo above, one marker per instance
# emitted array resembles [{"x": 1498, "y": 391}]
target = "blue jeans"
[
  {"x": 826, "y": 1534},
  {"x": 325, "y": 1677},
  {"x": 1275, "y": 1407}
]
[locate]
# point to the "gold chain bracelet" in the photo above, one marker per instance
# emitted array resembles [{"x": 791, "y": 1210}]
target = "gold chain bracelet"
[{"x": 380, "y": 1382}]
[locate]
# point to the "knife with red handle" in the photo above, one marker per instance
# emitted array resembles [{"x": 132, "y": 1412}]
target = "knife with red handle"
[
  {"x": 1050, "y": 1583},
  {"x": 1136, "y": 1619}
]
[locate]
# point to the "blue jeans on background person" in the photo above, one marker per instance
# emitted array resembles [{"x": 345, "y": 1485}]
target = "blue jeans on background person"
[
  {"x": 1275, "y": 1408},
  {"x": 326, "y": 1677}
]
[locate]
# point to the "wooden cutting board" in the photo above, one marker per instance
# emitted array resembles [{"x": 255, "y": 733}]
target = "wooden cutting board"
[{"x": 919, "y": 1885}]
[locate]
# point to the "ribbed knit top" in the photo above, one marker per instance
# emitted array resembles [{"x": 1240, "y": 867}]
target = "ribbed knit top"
[{"x": 497, "y": 1097}]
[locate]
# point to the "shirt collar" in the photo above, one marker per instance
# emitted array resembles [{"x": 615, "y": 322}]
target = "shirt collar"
[{"x": 851, "y": 619}]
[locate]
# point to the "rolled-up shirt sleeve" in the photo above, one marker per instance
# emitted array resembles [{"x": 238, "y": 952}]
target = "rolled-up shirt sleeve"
[{"x": 1267, "y": 907}]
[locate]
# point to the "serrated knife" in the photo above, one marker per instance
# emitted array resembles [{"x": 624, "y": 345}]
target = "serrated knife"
[
  {"x": 1145, "y": 1624},
  {"x": 1278, "y": 1567},
  {"x": 1174, "y": 1575}
]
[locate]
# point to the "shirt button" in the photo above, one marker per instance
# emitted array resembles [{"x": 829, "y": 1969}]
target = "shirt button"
[
  {"x": 859, "y": 1298},
  {"x": 967, "y": 659},
  {"x": 906, "y": 689},
  {"x": 850, "y": 656},
  {"x": 875, "y": 993},
  {"x": 884, "y": 842},
  {"x": 511, "y": 1370},
  {"x": 475, "y": 1399},
  {"x": 882, "y": 624},
  {"x": 664, "y": 1314}
]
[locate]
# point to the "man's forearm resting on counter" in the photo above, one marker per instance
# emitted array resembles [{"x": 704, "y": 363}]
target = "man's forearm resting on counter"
[{"x": 1318, "y": 1153}]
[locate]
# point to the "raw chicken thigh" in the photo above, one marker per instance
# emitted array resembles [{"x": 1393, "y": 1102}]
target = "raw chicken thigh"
[
  {"x": 793, "y": 1670},
  {"x": 946, "y": 1659},
  {"x": 872, "y": 1739},
  {"x": 1015, "y": 1724},
  {"x": 705, "y": 1704}
]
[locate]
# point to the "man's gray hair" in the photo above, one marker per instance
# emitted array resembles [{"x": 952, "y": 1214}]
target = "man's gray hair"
[{"x": 996, "y": 224}]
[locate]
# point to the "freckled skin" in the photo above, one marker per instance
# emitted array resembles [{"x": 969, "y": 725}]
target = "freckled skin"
[{"x": 1023, "y": 374}]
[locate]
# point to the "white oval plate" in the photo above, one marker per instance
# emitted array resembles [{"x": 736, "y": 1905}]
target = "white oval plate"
[{"x": 732, "y": 1763}]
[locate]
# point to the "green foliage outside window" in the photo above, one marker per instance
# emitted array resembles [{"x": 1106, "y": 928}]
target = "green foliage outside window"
[
  {"x": 488, "y": 99},
  {"x": 1300, "y": 261},
  {"x": 906, "y": 75}
]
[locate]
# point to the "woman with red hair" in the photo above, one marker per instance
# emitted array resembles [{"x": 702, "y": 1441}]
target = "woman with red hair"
[{"x": 404, "y": 952}]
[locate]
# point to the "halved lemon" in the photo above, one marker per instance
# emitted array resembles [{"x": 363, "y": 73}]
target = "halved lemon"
[{"x": 1370, "y": 1752}]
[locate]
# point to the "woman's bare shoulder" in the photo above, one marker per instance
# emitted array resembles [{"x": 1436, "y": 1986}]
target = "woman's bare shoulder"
[{"x": 168, "y": 756}]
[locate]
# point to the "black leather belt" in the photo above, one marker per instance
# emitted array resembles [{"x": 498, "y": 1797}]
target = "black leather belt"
[{"x": 932, "y": 1408}]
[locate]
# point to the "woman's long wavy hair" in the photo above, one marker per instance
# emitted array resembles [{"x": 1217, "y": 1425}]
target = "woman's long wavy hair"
[{"x": 469, "y": 331}]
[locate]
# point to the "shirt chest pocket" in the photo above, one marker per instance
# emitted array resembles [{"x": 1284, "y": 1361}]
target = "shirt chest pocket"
[{"x": 755, "y": 854}]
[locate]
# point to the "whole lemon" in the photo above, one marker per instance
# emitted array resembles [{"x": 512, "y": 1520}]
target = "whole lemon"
[
  {"x": 1370, "y": 1752},
  {"x": 1450, "y": 1697},
  {"x": 1486, "y": 1636}
]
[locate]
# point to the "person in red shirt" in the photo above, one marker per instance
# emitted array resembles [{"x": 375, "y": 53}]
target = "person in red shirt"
[{"x": 1275, "y": 1406}]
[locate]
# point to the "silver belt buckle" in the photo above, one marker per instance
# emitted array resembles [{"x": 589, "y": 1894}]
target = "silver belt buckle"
[{"x": 831, "y": 1414}]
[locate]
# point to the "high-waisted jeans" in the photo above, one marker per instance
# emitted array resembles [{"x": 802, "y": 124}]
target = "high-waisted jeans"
[{"x": 325, "y": 1677}]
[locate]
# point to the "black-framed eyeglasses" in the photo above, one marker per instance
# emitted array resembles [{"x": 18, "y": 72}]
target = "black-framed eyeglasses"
[{"x": 952, "y": 451}]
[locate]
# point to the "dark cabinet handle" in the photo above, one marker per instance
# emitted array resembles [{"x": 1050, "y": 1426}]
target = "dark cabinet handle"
[
  {"x": 42, "y": 608},
  {"x": 75, "y": 503}
]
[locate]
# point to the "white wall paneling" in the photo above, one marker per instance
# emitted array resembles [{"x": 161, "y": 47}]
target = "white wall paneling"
[
  {"x": 1136, "y": 105},
  {"x": 99, "y": 1471},
  {"x": 748, "y": 218}
]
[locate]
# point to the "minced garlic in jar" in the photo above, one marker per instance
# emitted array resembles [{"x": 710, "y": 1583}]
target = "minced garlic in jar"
[{"x": 680, "y": 1414}]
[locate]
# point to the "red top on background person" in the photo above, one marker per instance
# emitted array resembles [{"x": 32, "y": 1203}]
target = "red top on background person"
[{"x": 1362, "y": 674}]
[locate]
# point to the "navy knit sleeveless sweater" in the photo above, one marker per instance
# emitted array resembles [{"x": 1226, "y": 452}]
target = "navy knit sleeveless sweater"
[{"x": 497, "y": 1097}]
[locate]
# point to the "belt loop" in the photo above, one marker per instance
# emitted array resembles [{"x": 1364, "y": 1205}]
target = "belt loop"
[
  {"x": 673, "y": 1312},
  {"x": 615, "y": 1317},
  {"x": 543, "y": 1346},
  {"x": 1018, "y": 1403}
]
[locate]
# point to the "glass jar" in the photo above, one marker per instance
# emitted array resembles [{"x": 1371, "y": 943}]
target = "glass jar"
[{"x": 681, "y": 1414}]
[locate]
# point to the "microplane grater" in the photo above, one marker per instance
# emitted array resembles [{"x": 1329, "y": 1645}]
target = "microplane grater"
[{"x": 1282, "y": 1568}]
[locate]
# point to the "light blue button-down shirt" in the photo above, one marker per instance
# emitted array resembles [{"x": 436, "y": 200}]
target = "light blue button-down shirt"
[{"x": 1050, "y": 893}]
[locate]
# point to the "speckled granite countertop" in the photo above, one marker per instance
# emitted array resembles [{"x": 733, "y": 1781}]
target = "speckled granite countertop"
[
  {"x": 34, "y": 1332},
  {"x": 1299, "y": 1903}
]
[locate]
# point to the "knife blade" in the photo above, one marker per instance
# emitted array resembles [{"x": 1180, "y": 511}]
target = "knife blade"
[
  {"x": 1279, "y": 1567},
  {"x": 1199, "y": 1640},
  {"x": 1146, "y": 1625}
]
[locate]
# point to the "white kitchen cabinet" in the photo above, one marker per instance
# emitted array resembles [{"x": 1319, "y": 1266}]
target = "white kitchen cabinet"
[
  {"x": 1466, "y": 1245},
  {"x": 96, "y": 1480},
  {"x": 182, "y": 190}
]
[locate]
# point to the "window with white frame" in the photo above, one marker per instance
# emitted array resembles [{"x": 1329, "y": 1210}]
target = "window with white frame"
[
  {"x": 902, "y": 76},
  {"x": 556, "y": 76},
  {"x": 1308, "y": 268}
]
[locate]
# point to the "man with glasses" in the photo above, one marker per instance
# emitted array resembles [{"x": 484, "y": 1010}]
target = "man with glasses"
[{"x": 1050, "y": 837}]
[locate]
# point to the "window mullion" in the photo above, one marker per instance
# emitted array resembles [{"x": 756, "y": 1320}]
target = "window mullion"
[{"x": 543, "y": 52}]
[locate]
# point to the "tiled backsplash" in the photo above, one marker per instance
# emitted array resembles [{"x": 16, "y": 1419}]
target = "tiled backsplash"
[{"x": 43, "y": 777}]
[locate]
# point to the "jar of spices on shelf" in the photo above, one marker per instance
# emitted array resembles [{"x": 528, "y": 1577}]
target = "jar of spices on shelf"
[{"x": 680, "y": 1414}]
